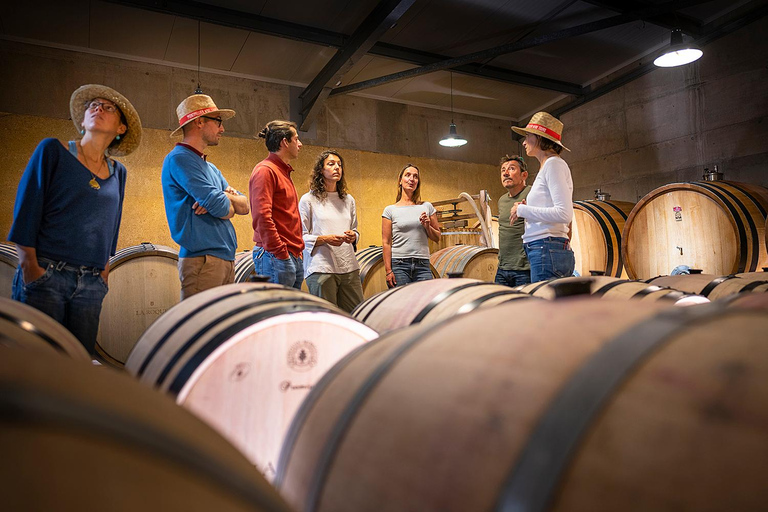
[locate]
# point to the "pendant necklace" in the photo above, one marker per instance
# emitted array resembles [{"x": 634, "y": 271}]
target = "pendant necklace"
[{"x": 93, "y": 183}]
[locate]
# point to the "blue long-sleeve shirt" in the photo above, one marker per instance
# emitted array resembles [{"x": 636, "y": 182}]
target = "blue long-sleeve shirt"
[
  {"x": 61, "y": 215},
  {"x": 187, "y": 178}
]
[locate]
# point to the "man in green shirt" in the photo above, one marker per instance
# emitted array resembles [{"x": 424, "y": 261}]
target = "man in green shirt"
[{"x": 514, "y": 269}]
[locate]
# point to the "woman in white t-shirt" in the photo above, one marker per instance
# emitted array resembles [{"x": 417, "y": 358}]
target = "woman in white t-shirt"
[
  {"x": 548, "y": 209},
  {"x": 405, "y": 228},
  {"x": 329, "y": 225}
]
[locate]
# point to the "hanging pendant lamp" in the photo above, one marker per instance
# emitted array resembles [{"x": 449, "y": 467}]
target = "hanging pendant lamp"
[
  {"x": 452, "y": 140},
  {"x": 678, "y": 53}
]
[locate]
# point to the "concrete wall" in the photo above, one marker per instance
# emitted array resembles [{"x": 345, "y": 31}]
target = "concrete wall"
[
  {"x": 375, "y": 138},
  {"x": 669, "y": 125}
]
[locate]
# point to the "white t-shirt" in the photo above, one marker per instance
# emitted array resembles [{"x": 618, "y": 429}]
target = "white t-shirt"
[
  {"x": 409, "y": 238},
  {"x": 549, "y": 206},
  {"x": 329, "y": 216}
]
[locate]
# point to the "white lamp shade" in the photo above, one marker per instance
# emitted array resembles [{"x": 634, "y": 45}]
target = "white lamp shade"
[{"x": 452, "y": 140}]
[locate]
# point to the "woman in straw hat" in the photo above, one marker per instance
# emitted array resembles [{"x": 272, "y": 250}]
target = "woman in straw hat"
[
  {"x": 405, "y": 228},
  {"x": 548, "y": 209},
  {"x": 68, "y": 209}
]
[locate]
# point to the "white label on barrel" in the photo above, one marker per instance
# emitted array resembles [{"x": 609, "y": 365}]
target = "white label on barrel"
[{"x": 678, "y": 213}]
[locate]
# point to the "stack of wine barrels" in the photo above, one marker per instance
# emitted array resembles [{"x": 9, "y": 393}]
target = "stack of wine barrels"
[
  {"x": 75, "y": 437},
  {"x": 450, "y": 236},
  {"x": 613, "y": 288},
  {"x": 244, "y": 267},
  {"x": 9, "y": 260},
  {"x": 716, "y": 226},
  {"x": 470, "y": 261},
  {"x": 715, "y": 287},
  {"x": 430, "y": 302},
  {"x": 29, "y": 328},
  {"x": 143, "y": 284},
  {"x": 372, "y": 272},
  {"x": 596, "y": 236},
  {"x": 575, "y": 404},
  {"x": 243, "y": 356}
]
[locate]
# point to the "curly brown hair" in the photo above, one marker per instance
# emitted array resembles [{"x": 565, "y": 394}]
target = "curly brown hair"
[{"x": 317, "y": 182}]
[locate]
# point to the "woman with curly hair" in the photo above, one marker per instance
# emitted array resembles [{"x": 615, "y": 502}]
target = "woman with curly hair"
[{"x": 329, "y": 224}]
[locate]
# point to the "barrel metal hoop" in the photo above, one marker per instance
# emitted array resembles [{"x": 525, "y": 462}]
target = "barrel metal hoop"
[
  {"x": 203, "y": 352},
  {"x": 389, "y": 292},
  {"x": 32, "y": 329},
  {"x": 721, "y": 193},
  {"x": 593, "y": 208},
  {"x": 471, "y": 306},
  {"x": 603, "y": 289},
  {"x": 440, "y": 298},
  {"x": 714, "y": 284},
  {"x": 532, "y": 484},
  {"x": 28, "y": 406}
]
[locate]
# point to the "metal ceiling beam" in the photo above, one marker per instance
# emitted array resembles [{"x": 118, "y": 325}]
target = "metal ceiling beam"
[
  {"x": 530, "y": 42},
  {"x": 381, "y": 19},
  {"x": 723, "y": 26},
  {"x": 255, "y": 23},
  {"x": 685, "y": 23}
]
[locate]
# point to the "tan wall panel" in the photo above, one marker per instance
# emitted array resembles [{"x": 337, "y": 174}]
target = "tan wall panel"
[{"x": 371, "y": 178}]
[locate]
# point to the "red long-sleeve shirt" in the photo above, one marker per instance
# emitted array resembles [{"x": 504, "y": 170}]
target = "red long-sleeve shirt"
[{"x": 275, "y": 208}]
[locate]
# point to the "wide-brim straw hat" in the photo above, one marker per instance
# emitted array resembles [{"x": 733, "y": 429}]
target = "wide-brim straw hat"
[
  {"x": 83, "y": 95},
  {"x": 199, "y": 105},
  {"x": 544, "y": 125}
]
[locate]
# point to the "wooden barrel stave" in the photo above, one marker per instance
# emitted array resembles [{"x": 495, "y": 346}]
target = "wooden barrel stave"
[
  {"x": 27, "y": 327},
  {"x": 243, "y": 356},
  {"x": 373, "y": 274},
  {"x": 435, "y": 390},
  {"x": 70, "y": 423},
  {"x": 143, "y": 284},
  {"x": 455, "y": 236},
  {"x": 711, "y": 286},
  {"x": 472, "y": 261},
  {"x": 596, "y": 236},
  {"x": 9, "y": 260},
  {"x": 717, "y": 226}
]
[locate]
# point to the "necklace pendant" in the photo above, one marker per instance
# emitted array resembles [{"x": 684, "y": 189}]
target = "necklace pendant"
[{"x": 94, "y": 184}]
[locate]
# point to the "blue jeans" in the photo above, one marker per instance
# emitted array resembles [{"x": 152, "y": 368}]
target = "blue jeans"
[
  {"x": 512, "y": 277},
  {"x": 288, "y": 272},
  {"x": 550, "y": 258},
  {"x": 410, "y": 270},
  {"x": 70, "y": 295}
]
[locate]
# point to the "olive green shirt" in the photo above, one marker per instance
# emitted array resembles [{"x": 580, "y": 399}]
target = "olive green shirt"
[{"x": 511, "y": 252}]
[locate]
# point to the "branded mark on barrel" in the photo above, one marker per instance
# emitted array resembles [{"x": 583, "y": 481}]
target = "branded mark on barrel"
[
  {"x": 678, "y": 213},
  {"x": 302, "y": 356},
  {"x": 286, "y": 386}
]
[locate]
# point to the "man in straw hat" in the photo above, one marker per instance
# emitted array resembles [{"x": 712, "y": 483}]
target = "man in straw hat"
[
  {"x": 548, "y": 209},
  {"x": 277, "y": 229},
  {"x": 68, "y": 210},
  {"x": 198, "y": 200}
]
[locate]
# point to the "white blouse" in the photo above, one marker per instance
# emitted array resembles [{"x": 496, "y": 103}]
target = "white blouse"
[
  {"x": 549, "y": 206},
  {"x": 329, "y": 216}
]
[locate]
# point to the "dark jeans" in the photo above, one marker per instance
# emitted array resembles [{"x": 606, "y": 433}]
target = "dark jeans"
[
  {"x": 550, "y": 258},
  {"x": 410, "y": 270},
  {"x": 70, "y": 295},
  {"x": 288, "y": 272},
  {"x": 512, "y": 277}
]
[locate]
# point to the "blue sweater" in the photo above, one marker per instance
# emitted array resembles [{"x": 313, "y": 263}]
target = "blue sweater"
[
  {"x": 59, "y": 214},
  {"x": 187, "y": 179}
]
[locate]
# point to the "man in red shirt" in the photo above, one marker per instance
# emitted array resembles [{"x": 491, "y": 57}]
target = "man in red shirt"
[{"x": 275, "y": 208}]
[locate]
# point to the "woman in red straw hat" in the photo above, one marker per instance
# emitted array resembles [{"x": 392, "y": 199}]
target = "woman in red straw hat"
[
  {"x": 548, "y": 209},
  {"x": 68, "y": 209}
]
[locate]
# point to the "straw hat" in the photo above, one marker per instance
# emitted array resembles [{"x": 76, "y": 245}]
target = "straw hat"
[
  {"x": 77, "y": 105},
  {"x": 544, "y": 125},
  {"x": 199, "y": 105}
]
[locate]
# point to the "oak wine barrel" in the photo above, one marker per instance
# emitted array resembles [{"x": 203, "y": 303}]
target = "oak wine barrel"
[
  {"x": 243, "y": 356},
  {"x": 9, "y": 260},
  {"x": 27, "y": 327},
  {"x": 245, "y": 270},
  {"x": 430, "y": 302},
  {"x": 714, "y": 287},
  {"x": 613, "y": 288},
  {"x": 143, "y": 284},
  {"x": 596, "y": 236},
  {"x": 716, "y": 226},
  {"x": 576, "y": 404},
  {"x": 471, "y": 261},
  {"x": 373, "y": 274},
  {"x": 75, "y": 437}
]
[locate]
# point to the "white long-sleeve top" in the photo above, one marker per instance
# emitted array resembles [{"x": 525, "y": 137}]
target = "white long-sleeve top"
[
  {"x": 549, "y": 207},
  {"x": 329, "y": 216}
]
